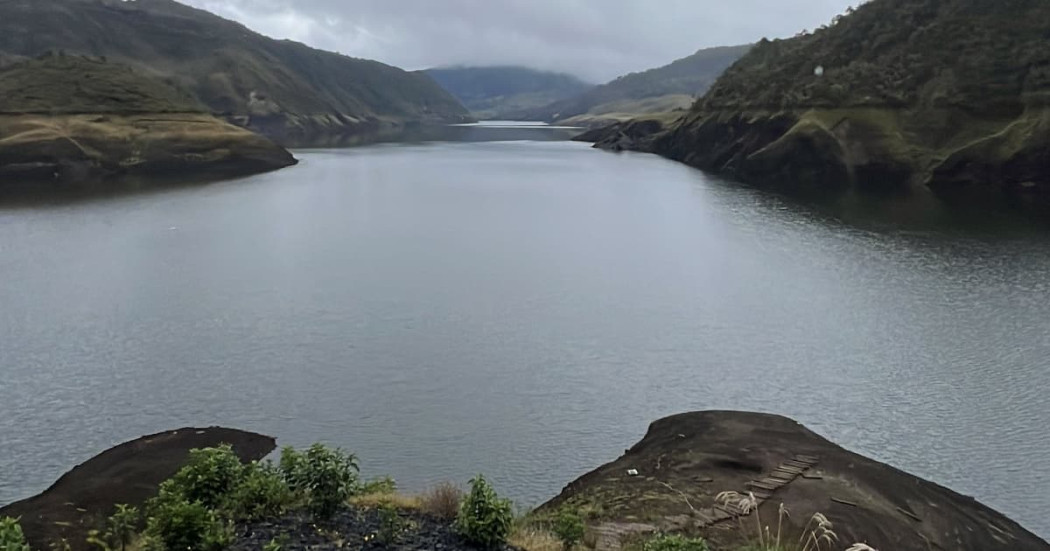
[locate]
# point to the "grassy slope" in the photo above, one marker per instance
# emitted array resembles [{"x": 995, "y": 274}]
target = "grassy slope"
[
  {"x": 231, "y": 69},
  {"x": 689, "y": 76},
  {"x": 907, "y": 86},
  {"x": 102, "y": 118},
  {"x": 493, "y": 92},
  {"x": 74, "y": 85}
]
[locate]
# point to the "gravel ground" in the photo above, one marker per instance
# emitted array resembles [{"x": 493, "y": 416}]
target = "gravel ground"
[{"x": 358, "y": 529}]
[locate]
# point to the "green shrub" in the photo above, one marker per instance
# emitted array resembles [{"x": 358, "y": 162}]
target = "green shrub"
[
  {"x": 384, "y": 485},
  {"x": 260, "y": 493},
  {"x": 208, "y": 476},
  {"x": 568, "y": 526},
  {"x": 274, "y": 545},
  {"x": 391, "y": 525},
  {"x": 484, "y": 518},
  {"x": 11, "y": 536},
  {"x": 179, "y": 525},
  {"x": 326, "y": 477},
  {"x": 674, "y": 542},
  {"x": 121, "y": 527}
]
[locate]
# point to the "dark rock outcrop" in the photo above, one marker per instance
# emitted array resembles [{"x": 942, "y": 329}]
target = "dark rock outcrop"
[
  {"x": 129, "y": 473},
  {"x": 670, "y": 479}
]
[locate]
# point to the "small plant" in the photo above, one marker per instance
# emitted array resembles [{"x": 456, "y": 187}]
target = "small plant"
[
  {"x": 391, "y": 525},
  {"x": 261, "y": 493},
  {"x": 180, "y": 524},
  {"x": 442, "y": 501},
  {"x": 122, "y": 525},
  {"x": 484, "y": 518},
  {"x": 568, "y": 526},
  {"x": 327, "y": 477},
  {"x": 384, "y": 485},
  {"x": 60, "y": 545},
  {"x": 674, "y": 542},
  {"x": 275, "y": 544},
  {"x": 11, "y": 536},
  {"x": 208, "y": 476}
]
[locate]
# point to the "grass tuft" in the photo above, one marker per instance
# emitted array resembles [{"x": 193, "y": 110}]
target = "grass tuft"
[
  {"x": 533, "y": 538},
  {"x": 397, "y": 500}
]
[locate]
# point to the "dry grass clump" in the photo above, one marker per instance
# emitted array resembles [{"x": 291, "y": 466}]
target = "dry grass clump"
[
  {"x": 533, "y": 538},
  {"x": 817, "y": 534},
  {"x": 400, "y": 501},
  {"x": 442, "y": 501}
]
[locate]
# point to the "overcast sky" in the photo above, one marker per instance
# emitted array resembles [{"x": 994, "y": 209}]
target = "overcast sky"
[{"x": 594, "y": 39}]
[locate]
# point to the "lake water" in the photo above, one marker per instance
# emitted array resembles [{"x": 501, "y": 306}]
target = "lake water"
[{"x": 511, "y": 303}]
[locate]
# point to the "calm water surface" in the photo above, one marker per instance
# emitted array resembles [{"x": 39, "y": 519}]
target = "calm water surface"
[{"x": 522, "y": 309}]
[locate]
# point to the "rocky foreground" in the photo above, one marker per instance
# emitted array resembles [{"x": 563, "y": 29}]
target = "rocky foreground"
[{"x": 667, "y": 482}]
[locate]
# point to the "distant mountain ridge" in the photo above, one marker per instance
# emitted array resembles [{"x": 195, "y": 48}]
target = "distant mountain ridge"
[
  {"x": 674, "y": 85},
  {"x": 495, "y": 92},
  {"x": 278, "y": 87}
]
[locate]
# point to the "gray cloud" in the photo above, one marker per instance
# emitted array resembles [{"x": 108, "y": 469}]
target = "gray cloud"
[{"x": 594, "y": 39}]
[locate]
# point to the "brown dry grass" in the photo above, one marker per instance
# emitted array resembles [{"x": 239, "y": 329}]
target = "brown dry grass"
[
  {"x": 442, "y": 501},
  {"x": 532, "y": 538}
]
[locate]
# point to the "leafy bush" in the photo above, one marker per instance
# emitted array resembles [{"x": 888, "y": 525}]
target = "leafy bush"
[
  {"x": 326, "y": 477},
  {"x": 442, "y": 501},
  {"x": 568, "y": 526},
  {"x": 120, "y": 528},
  {"x": 208, "y": 476},
  {"x": 274, "y": 544},
  {"x": 11, "y": 536},
  {"x": 260, "y": 493},
  {"x": 674, "y": 542},
  {"x": 384, "y": 485},
  {"x": 484, "y": 518},
  {"x": 179, "y": 524}
]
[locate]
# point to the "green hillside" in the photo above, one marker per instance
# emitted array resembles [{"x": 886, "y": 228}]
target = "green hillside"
[
  {"x": 495, "y": 92},
  {"x": 949, "y": 95},
  {"x": 68, "y": 84},
  {"x": 272, "y": 85},
  {"x": 690, "y": 76}
]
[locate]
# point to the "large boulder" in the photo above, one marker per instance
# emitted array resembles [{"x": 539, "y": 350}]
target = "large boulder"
[
  {"x": 129, "y": 473},
  {"x": 670, "y": 479}
]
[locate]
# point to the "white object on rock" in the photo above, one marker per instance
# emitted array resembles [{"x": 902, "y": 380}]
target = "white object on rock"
[
  {"x": 819, "y": 71},
  {"x": 632, "y": 472}
]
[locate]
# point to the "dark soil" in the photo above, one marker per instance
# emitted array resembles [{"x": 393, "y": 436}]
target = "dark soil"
[
  {"x": 129, "y": 473},
  {"x": 358, "y": 529}
]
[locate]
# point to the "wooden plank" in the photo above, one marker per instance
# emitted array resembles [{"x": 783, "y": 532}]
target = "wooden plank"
[
  {"x": 797, "y": 464},
  {"x": 762, "y": 485},
  {"x": 811, "y": 476},
  {"x": 762, "y": 494},
  {"x": 909, "y": 514},
  {"x": 773, "y": 482},
  {"x": 781, "y": 475},
  {"x": 790, "y": 469},
  {"x": 843, "y": 501},
  {"x": 811, "y": 459}
]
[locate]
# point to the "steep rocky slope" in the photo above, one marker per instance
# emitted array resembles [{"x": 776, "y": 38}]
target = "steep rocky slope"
[{"x": 898, "y": 94}]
